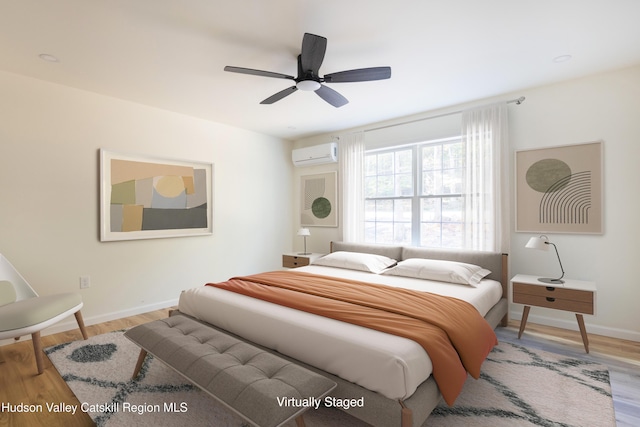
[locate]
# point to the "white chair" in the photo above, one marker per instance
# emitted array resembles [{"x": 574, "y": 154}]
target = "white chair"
[{"x": 23, "y": 312}]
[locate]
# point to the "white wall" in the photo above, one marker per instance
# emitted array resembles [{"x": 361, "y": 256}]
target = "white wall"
[
  {"x": 602, "y": 107},
  {"x": 50, "y": 136}
]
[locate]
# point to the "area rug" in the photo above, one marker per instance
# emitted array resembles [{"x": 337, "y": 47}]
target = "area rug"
[{"x": 518, "y": 387}]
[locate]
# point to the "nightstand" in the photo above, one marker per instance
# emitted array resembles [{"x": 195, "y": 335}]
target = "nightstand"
[
  {"x": 576, "y": 296},
  {"x": 294, "y": 259}
]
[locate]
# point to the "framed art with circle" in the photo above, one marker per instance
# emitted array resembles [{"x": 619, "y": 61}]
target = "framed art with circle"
[
  {"x": 319, "y": 198},
  {"x": 143, "y": 197}
]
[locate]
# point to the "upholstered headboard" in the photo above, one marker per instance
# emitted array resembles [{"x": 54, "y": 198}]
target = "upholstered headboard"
[
  {"x": 393, "y": 252},
  {"x": 495, "y": 262}
]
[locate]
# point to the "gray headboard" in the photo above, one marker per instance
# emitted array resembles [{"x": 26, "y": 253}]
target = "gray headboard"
[
  {"x": 393, "y": 252},
  {"x": 496, "y": 262}
]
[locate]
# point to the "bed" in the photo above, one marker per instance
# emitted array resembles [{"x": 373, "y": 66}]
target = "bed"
[{"x": 392, "y": 374}]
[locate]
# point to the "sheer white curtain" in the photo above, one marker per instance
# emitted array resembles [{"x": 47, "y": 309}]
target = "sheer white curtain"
[
  {"x": 485, "y": 136},
  {"x": 351, "y": 157}
]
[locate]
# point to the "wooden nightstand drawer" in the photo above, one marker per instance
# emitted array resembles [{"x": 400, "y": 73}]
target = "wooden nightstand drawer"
[
  {"x": 293, "y": 261},
  {"x": 574, "y": 306},
  {"x": 573, "y": 300},
  {"x": 553, "y": 292}
]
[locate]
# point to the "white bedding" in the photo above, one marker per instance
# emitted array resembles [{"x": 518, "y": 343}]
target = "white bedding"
[{"x": 391, "y": 365}]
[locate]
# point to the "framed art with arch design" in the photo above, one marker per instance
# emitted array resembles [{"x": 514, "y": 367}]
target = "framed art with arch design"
[{"x": 559, "y": 189}]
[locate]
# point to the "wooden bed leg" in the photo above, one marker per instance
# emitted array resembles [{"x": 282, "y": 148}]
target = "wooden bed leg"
[
  {"x": 136, "y": 371},
  {"x": 407, "y": 416},
  {"x": 300, "y": 421},
  {"x": 504, "y": 322}
]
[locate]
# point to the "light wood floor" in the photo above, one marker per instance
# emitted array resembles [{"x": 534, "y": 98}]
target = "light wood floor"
[{"x": 20, "y": 384}]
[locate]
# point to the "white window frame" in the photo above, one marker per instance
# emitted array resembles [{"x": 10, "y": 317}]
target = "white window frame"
[{"x": 416, "y": 198}]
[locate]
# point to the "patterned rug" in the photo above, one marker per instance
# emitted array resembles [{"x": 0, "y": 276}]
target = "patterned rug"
[{"x": 518, "y": 387}]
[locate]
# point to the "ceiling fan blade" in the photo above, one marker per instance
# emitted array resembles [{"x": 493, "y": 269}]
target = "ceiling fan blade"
[
  {"x": 257, "y": 72},
  {"x": 331, "y": 96},
  {"x": 278, "y": 96},
  {"x": 359, "y": 75},
  {"x": 312, "y": 53}
]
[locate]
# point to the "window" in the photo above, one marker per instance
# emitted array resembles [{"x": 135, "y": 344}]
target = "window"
[{"x": 413, "y": 194}]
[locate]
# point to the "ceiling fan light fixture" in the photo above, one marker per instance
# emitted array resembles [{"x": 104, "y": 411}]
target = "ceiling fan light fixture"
[{"x": 308, "y": 85}]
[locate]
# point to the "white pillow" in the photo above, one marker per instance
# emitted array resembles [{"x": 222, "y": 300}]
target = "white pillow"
[
  {"x": 440, "y": 270},
  {"x": 356, "y": 261}
]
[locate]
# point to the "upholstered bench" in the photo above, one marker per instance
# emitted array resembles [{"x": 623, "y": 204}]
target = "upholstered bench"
[{"x": 252, "y": 382}]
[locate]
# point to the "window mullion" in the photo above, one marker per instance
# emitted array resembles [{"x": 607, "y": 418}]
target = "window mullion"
[{"x": 417, "y": 191}]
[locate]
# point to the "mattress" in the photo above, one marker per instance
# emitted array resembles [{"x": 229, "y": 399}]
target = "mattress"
[{"x": 390, "y": 365}]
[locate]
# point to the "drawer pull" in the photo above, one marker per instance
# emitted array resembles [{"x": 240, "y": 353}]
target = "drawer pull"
[
  {"x": 550, "y": 288},
  {"x": 551, "y": 299}
]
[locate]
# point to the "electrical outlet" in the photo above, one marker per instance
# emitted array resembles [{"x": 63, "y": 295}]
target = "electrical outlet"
[{"x": 85, "y": 282}]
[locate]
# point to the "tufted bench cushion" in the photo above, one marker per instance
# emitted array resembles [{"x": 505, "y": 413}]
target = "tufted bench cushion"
[{"x": 245, "y": 378}]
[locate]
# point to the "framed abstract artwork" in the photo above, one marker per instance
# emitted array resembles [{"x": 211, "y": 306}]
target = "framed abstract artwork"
[
  {"x": 319, "y": 198},
  {"x": 146, "y": 198},
  {"x": 559, "y": 189}
]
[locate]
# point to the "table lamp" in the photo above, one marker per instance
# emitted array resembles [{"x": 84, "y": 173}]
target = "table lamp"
[{"x": 542, "y": 243}]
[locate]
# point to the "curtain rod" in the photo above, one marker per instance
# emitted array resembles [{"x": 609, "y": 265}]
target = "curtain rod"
[{"x": 516, "y": 101}]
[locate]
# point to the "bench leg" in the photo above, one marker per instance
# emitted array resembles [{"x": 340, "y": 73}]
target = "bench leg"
[
  {"x": 136, "y": 371},
  {"x": 300, "y": 421}
]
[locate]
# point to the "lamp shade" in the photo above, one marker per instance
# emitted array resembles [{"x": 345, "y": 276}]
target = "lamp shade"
[
  {"x": 304, "y": 232},
  {"x": 540, "y": 243}
]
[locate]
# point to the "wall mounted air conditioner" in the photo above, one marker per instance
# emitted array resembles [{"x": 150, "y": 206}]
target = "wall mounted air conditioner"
[{"x": 316, "y": 155}]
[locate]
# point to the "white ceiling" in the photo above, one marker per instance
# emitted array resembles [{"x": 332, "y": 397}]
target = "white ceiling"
[{"x": 171, "y": 53}]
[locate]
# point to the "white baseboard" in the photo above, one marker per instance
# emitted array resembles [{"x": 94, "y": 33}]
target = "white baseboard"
[
  {"x": 70, "y": 323},
  {"x": 623, "y": 334}
]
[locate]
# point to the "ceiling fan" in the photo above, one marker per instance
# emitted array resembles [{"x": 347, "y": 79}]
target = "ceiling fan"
[{"x": 309, "y": 61}]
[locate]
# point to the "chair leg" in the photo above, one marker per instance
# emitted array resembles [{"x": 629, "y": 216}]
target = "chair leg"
[
  {"x": 81, "y": 324},
  {"x": 37, "y": 349}
]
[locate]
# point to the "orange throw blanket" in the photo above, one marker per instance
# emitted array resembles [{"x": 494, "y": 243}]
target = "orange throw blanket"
[{"x": 453, "y": 333}]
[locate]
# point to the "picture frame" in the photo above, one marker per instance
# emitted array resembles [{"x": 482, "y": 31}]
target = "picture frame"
[
  {"x": 319, "y": 200},
  {"x": 145, "y": 197},
  {"x": 559, "y": 189}
]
